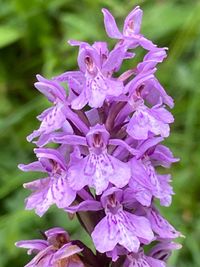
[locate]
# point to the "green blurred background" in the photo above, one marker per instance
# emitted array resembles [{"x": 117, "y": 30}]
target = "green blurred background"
[{"x": 33, "y": 37}]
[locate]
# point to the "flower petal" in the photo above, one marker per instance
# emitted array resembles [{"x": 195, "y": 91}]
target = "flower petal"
[
  {"x": 66, "y": 251},
  {"x": 121, "y": 174},
  {"x": 136, "y": 261},
  {"x": 161, "y": 226},
  {"x": 87, "y": 205},
  {"x": 54, "y": 120},
  {"x": 163, "y": 156},
  {"x": 34, "y": 166},
  {"x": 62, "y": 193},
  {"x": 155, "y": 263},
  {"x": 100, "y": 87},
  {"x": 132, "y": 23},
  {"x": 127, "y": 237},
  {"x": 53, "y": 154},
  {"x": 140, "y": 193},
  {"x": 79, "y": 102},
  {"x": 140, "y": 226},
  {"x": 77, "y": 176},
  {"x": 43, "y": 258},
  {"x": 33, "y": 246},
  {"x": 51, "y": 89},
  {"x": 105, "y": 235},
  {"x": 41, "y": 199},
  {"x": 163, "y": 250},
  {"x": 140, "y": 175},
  {"x": 110, "y": 25},
  {"x": 114, "y": 60},
  {"x": 100, "y": 168}
]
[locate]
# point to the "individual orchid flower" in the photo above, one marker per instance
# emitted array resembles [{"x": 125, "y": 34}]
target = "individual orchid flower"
[
  {"x": 145, "y": 182},
  {"x": 53, "y": 118},
  {"x": 150, "y": 88},
  {"x": 57, "y": 117},
  {"x": 118, "y": 226},
  {"x": 144, "y": 87},
  {"x": 54, "y": 189},
  {"x": 98, "y": 168},
  {"x": 146, "y": 121},
  {"x": 96, "y": 67},
  {"x": 131, "y": 35},
  {"x": 56, "y": 250}
]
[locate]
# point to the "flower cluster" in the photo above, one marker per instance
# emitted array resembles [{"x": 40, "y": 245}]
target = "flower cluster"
[{"x": 107, "y": 130}]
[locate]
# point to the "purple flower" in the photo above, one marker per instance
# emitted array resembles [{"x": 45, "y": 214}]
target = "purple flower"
[
  {"x": 145, "y": 181},
  {"x": 54, "y": 189},
  {"x": 98, "y": 168},
  {"x": 56, "y": 250},
  {"x": 53, "y": 118},
  {"x": 145, "y": 83},
  {"x": 118, "y": 226},
  {"x": 131, "y": 35},
  {"x": 95, "y": 73},
  {"x": 146, "y": 121}
]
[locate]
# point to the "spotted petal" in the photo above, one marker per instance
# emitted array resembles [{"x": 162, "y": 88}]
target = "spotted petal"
[
  {"x": 105, "y": 235},
  {"x": 63, "y": 195},
  {"x": 40, "y": 199},
  {"x": 161, "y": 226}
]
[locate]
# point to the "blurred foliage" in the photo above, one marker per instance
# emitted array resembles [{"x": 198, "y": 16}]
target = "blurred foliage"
[{"x": 33, "y": 37}]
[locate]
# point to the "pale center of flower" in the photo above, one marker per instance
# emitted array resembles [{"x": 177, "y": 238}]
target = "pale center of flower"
[
  {"x": 58, "y": 240},
  {"x": 98, "y": 146},
  {"x": 56, "y": 169},
  {"x": 113, "y": 206},
  {"x": 91, "y": 68}
]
